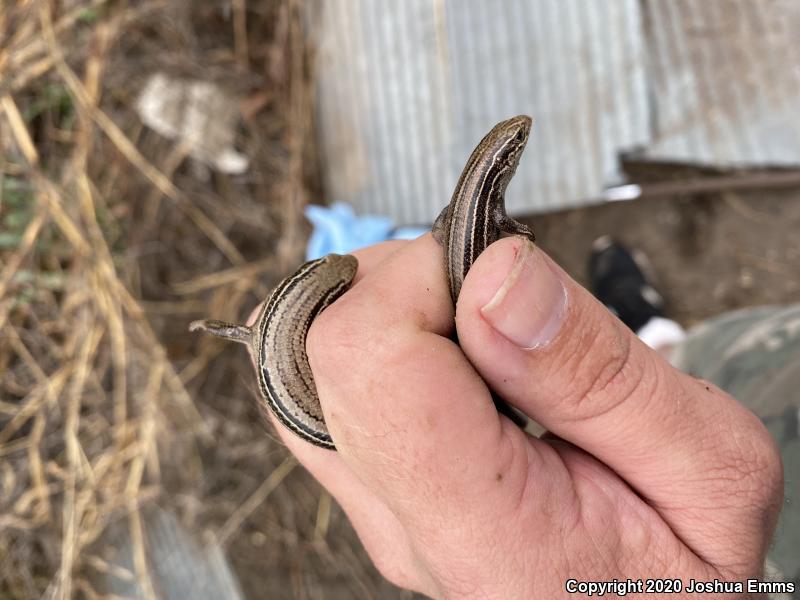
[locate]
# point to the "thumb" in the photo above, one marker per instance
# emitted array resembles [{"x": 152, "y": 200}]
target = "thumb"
[{"x": 548, "y": 347}]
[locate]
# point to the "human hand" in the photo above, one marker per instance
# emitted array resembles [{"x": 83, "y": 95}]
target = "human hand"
[{"x": 648, "y": 472}]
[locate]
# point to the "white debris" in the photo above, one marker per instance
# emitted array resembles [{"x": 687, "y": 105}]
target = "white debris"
[{"x": 196, "y": 113}]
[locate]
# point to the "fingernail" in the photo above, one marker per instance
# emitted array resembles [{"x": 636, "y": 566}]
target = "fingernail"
[{"x": 531, "y": 303}]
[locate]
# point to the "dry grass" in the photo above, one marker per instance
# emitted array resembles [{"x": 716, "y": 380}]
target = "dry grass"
[{"x": 111, "y": 242}]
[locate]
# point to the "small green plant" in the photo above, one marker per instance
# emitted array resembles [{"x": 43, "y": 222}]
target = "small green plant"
[
  {"x": 88, "y": 15},
  {"x": 55, "y": 99},
  {"x": 16, "y": 211}
]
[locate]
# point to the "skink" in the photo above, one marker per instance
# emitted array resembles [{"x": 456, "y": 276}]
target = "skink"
[
  {"x": 277, "y": 342},
  {"x": 476, "y": 214},
  {"x": 474, "y": 218}
]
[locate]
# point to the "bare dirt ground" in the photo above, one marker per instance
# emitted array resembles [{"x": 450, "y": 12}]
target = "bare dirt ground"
[
  {"x": 710, "y": 252},
  {"x": 112, "y": 241}
]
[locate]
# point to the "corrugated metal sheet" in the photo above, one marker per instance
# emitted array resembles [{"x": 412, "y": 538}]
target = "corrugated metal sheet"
[
  {"x": 406, "y": 89},
  {"x": 726, "y": 81},
  {"x": 179, "y": 567},
  {"x": 384, "y": 120},
  {"x": 575, "y": 66}
]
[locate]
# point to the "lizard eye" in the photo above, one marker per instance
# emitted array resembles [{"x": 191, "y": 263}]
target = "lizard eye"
[{"x": 520, "y": 135}]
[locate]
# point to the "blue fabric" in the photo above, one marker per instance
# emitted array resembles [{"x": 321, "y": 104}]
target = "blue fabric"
[{"x": 337, "y": 229}]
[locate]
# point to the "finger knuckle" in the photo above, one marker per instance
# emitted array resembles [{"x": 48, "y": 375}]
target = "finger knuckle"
[
  {"x": 606, "y": 375},
  {"x": 749, "y": 460},
  {"x": 757, "y": 462},
  {"x": 395, "y": 571}
]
